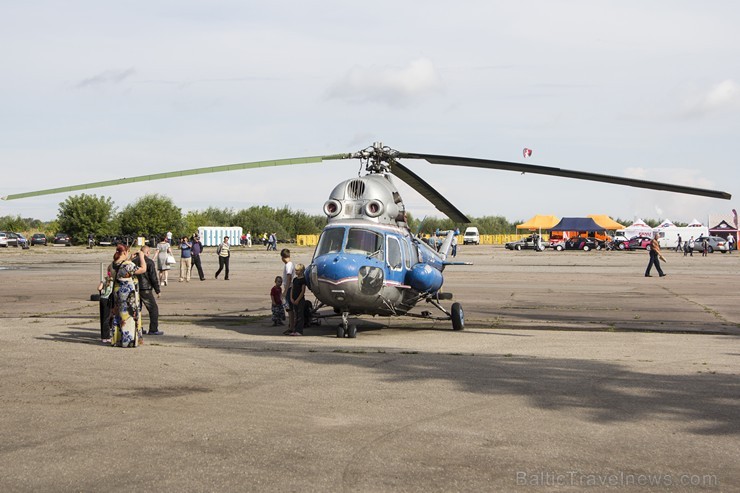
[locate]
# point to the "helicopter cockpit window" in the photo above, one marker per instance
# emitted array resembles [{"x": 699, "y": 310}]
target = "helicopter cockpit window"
[
  {"x": 364, "y": 241},
  {"x": 395, "y": 258},
  {"x": 330, "y": 241}
]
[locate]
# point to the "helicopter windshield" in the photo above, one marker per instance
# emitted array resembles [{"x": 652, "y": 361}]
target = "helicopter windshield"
[
  {"x": 330, "y": 242},
  {"x": 364, "y": 241}
]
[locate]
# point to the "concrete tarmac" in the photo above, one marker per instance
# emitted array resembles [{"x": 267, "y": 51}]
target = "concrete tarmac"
[{"x": 575, "y": 372}]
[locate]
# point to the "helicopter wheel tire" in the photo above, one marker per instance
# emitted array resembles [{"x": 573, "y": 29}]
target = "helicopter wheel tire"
[
  {"x": 458, "y": 317},
  {"x": 352, "y": 331},
  {"x": 340, "y": 332}
]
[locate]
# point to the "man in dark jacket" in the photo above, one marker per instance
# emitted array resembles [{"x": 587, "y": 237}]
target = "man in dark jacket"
[
  {"x": 195, "y": 253},
  {"x": 148, "y": 282}
]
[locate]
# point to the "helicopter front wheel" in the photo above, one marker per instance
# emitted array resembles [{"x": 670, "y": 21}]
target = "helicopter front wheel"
[{"x": 458, "y": 317}]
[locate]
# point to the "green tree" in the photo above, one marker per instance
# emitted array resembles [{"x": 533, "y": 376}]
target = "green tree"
[
  {"x": 15, "y": 224},
  {"x": 152, "y": 215},
  {"x": 80, "y": 215}
]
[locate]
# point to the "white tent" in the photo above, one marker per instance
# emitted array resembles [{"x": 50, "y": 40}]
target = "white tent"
[
  {"x": 638, "y": 228},
  {"x": 695, "y": 224},
  {"x": 666, "y": 224}
]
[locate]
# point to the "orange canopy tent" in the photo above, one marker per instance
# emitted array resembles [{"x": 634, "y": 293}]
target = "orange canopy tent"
[
  {"x": 605, "y": 221},
  {"x": 539, "y": 222}
]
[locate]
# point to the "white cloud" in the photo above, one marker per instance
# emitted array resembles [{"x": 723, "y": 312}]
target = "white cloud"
[
  {"x": 723, "y": 97},
  {"x": 388, "y": 85}
]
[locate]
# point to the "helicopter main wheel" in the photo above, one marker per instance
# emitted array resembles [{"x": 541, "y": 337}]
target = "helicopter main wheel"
[
  {"x": 458, "y": 318},
  {"x": 340, "y": 331},
  {"x": 352, "y": 331},
  {"x": 518, "y": 247}
]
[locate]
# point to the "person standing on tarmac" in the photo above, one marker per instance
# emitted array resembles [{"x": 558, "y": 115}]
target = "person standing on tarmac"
[
  {"x": 148, "y": 282},
  {"x": 196, "y": 250}
]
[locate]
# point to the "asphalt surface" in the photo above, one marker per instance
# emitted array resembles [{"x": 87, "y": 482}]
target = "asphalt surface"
[{"x": 575, "y": 372}]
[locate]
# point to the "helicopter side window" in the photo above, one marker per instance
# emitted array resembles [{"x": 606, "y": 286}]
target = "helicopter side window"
[
  {"x": 330, "y": 241},
  {"x": 407, "y": 253},
  {"x": 364, "y": 241},
  {"x": 395, "y": 257}
]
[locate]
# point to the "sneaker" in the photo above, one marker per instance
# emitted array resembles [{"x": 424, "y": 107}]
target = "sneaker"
[
  {"x": 156, "y": 333},
  {"x": 288, "y": 332},
  {"x": 105, "y": 341},
  {"x": 296, "y": 334}
]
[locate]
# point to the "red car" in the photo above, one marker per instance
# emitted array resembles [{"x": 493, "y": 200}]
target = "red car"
[{"x": 639, "y": 243}]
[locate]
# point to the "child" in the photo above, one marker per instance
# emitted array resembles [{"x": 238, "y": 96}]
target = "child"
[
  {"x": 298, "y": 299},
  {"x": 276, "y": 295}
]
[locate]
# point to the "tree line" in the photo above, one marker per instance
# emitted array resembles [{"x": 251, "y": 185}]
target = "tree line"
[{"x": 154, "y": 215}]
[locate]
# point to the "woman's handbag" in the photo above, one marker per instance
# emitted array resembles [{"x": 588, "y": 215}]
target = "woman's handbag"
[{"x": 170, "y": 259}]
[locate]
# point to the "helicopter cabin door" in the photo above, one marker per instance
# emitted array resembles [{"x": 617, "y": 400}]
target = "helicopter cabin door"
[{"x": 394, "y": 260}]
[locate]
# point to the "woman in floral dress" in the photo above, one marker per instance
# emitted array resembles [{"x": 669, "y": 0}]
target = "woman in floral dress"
[{"x": 125, "y": 321}]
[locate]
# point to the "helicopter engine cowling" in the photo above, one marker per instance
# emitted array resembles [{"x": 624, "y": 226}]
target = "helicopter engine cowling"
[{"x": 424, "y": 278}]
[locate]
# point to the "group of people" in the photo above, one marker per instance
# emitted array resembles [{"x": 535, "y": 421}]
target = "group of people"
[
  {"x": 130, "y": 283},
  {"x": 191, "y": 250},
  {"x": 132, "y": 280},
  {"x": 292, "y": 299}
]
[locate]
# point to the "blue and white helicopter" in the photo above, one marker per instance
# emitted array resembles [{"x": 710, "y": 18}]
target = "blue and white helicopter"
[{"x": 367, "y": 261}]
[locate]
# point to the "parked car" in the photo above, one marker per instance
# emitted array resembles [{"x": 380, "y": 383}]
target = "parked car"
[
  {"x": 620, "y": 242},
  {"x": 714, "y": 243},
  {"x": 8, "y": 238},
  {"x": 576, "y": 243},
  {"x": 527, "y": 243},
  {"x": 62, "y": 239},
  {"x": 39, "y": 239},
  {"x": 21, "y": 241},
  {"x": 639, "y": 243},
  {"x": 471, "y": 236}
]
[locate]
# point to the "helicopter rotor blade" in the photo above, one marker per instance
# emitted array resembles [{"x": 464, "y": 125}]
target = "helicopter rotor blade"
[
  {"x": 428, "y": 192},
  {"x": 552, "y": 171},
  {"x": 176, "y": 174}
]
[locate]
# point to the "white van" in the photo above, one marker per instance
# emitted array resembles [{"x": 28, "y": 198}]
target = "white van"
[{"x": 471, "y": 235}]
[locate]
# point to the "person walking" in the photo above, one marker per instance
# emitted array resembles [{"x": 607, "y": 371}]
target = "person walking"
[
  {"x": 224, "y": 252},
  {"x": 185, "y": 259},
  {"x": 730, "y": 243},
  {"x": 160, "y": 256},
  {"x": 704, "y": 246},
  {"x": 195, "y": 254},
  {"x": 249, "y": 239},
  {"x": 692, "y": 244},
  {"x": 655, "y": 254},
  {"x": 148, "y": 282},
  {"x": 678, "y": 245}
]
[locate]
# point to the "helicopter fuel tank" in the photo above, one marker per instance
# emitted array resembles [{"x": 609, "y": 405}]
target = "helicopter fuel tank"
[{"x": 370, "y": 197}]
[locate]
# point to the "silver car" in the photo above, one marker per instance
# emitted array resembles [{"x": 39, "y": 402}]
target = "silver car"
[{"x": 714, "y": 243}]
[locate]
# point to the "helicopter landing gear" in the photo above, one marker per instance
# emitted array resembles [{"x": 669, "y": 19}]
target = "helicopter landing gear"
[
  {"x": 345, "y": 328},
  {"x": 458, "y": 317}
]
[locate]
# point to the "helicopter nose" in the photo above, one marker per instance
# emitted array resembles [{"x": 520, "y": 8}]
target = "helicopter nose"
[{"x": 371, "y": 279}]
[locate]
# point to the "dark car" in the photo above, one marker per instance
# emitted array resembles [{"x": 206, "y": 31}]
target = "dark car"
[
  {"x": 39, "y": 239},
  {"x": 528, "y": 243},
  {"x": 577, "y": 243},
  {"x": 62, "y": 239},
  {"x": 639, "y": 243}
]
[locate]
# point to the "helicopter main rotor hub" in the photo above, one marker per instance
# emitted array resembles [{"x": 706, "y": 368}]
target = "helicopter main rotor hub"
[{"x": 377, "y": 158}]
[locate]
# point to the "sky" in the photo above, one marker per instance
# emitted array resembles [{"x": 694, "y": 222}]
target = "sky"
[{"x": 101, "y": 90}]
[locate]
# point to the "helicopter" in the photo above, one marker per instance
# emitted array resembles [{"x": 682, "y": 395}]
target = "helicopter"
[{"x": 367, "y": 261}]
